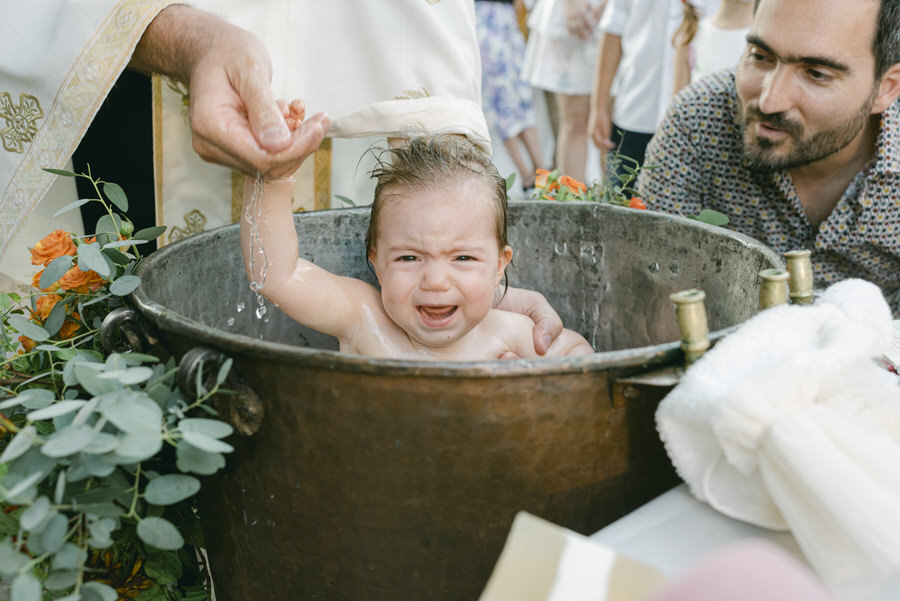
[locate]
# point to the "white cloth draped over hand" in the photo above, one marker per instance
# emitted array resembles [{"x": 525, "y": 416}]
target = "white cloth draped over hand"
[{"x": 788, "y": 423}]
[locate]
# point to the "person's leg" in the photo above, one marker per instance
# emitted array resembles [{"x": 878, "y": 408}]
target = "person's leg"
[
  {"x": 526, "y": 175},
  {"x": 571, "y": 146},
  {"x": 630, "y": 148},
  {"x": 533, "y": 146}
]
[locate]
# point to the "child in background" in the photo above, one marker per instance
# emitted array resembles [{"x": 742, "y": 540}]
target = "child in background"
[
  {"x": 437, "y": 242},
  {"x": 704, "y": 45}
]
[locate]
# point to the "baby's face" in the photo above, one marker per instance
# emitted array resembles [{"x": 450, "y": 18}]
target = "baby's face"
[{"x": 438, "y": 262}]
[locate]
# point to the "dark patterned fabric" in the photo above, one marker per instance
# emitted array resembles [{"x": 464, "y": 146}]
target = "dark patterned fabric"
[{"x": 699, "y": 151}]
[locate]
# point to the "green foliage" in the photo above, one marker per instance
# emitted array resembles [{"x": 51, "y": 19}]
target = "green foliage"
[{"x": 97, "y": 448}]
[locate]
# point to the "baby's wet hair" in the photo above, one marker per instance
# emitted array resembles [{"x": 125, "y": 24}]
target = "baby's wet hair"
[{"x": 427, "y": 162}]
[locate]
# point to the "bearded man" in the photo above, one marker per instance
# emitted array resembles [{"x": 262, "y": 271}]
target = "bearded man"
[{"x": 800, "y": 146}]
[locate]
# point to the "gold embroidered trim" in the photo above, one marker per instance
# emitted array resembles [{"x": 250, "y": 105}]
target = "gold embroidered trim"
[
  {"x": 322, "y": 176},
  {"x": 412, "y": 94},
  {"x": 81, "y": 92},
  {"x": 21, "y": 121},
  {"x": 157, "y": 108},
  {"x": 195, "y": 222}
]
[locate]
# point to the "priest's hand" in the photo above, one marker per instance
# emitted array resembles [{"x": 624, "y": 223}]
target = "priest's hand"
[
  {"x": 547, "y": 323},
  {"x": 235, "y": 119}
]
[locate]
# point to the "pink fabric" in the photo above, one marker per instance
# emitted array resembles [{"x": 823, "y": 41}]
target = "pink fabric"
[{"x": 750, "y": 571}]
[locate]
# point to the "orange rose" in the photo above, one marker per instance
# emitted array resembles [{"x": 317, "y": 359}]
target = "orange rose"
[
  {"x": 636, "y": 203},
  {"x": 36, "y": 281},
  {"x": 68, "y": 329},
  {"x": 79, "y": 281},
  {"x": 572, "y": 184},
  {"x": 27, "y": 343},
  {"x": 53, "y": 245},
  {"x": 540, "y": 178},
  {"x": 45, "y": 304}
]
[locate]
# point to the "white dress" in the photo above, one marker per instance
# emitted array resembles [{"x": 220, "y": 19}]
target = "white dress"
[
  {"x": 555, "y": 60},
  {"x": 714, "y": 49}
]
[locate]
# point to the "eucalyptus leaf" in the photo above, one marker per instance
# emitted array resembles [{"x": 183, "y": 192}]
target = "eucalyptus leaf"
[
  {"x": 123, "y": 243},
  {"x": 86, "y": 411},
  {"x": 18, "y": 493},
  {"x": 72, "y": 597},
  {"x": 713, "y": 217},
  {"x": 117, "y": 257},
  {"x": 101, "y": 532},
  {"x": 97, "y": 591},
  {"x": 33, "y": 398},
  {"x": 88, "y": 376},
  {"x": 20, "y": 444},
  {"x": 72, "y": 205},
  {"x": 60, "y": 580},
  {"x": 68, "y": 441},
  {"x": 85, "y": 465},
  {"x": 26, "y": 588},
  {"x": 210, "y": 427},
  {"x": 150, "y": 233},
  {"x": 36, "y": 513},
  {"x": 116, "y": 195},
  {"x": 90, "y": 259},
  {"x": 99, "y": 494},
  {"x": 103, "y": 442},
  {"x": 130, "y": 411},
  {"x": 52, "y": 536},
  {"x": 55, "y": 270},
  {"x": 129, "y": 376},
  {"x": 160, "y": 533},
  {"x": 191, "y": 459},
  {"x": 125, "y": 285},
  {"x": 206, "y": 443},
  {"x": 170, "y": 489},
  {"x": 50, "y": 348},
  {"x": 223, "y": 371},
  {"x": 61, "y": 172},
  {"x": 11, "y": 561},
  {"x": 55, "y": 319},
  {"x": 27, "y": 328},
  {"x": 68, "y": 558},
  {"x": 111, "y": 225},
  {"x": 56, "y": 409},
  {"x": 140, "y": 445},
  {"x": 60, "y": 490}
]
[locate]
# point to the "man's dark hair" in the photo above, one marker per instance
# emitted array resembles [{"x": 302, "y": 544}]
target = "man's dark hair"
[{"x": 886, "y": 46}]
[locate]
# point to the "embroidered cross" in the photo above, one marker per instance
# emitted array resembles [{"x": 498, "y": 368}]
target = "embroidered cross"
[
  {"x": 21, "y": 121},
  {"x": 195, "y": 222}
]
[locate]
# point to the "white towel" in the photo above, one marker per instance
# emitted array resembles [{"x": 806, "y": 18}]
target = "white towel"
[{"x": 788, "y": 423}]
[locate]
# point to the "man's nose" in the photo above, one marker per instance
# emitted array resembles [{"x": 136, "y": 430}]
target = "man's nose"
[{"x": 777, "y": 91}]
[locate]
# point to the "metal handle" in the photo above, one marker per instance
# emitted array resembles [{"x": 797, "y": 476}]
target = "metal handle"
[
  {"x": 800, "y": 281},
  {"x": 123, "y": 330},
  {"x": 774, "y": 288},
  {"x": 238, "y": 404},
  {"x": 691, "y": 314}
]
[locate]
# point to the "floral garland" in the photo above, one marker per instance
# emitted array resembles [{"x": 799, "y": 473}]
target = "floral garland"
[{"x": 96, "y": 446}]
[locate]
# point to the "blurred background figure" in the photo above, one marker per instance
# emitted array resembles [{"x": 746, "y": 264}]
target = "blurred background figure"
[
  {"x": 705, "y": 45},
  {"x": 506, "y": 97},
  {"x": 559, "y": 58},
  {"x": 635, "y": 51}
]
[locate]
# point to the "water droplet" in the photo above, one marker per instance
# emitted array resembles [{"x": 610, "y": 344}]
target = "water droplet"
[
  {"x": 561, "y": 248},
  {"x": 230, "y": 321},
  {"x": 653, "y": 267},
  {"x": 266, "y": 320},
  {"x": 674, "y": 267},
  {"x": 260, "y": 311},
  {"x": 241, "y": 307}
]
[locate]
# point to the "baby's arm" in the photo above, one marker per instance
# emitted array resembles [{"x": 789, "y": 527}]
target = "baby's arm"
[
  {"x": 309, "y": 294},
  {"x": 568, "y": 344}
]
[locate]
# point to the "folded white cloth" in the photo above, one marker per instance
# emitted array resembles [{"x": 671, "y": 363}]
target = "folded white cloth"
[{"x": 788, "y": 423}]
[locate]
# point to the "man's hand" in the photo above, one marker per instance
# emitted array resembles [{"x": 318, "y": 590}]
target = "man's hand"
[
  {"x": 234, "y": 117},
  {"x": 547, "y": 324}
]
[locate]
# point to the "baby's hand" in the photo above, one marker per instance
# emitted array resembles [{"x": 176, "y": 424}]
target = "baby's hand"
[{"x": 293, "y": 113}]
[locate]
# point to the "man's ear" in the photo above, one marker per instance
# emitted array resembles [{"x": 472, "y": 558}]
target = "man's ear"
[{"x": 888, "y": 89}]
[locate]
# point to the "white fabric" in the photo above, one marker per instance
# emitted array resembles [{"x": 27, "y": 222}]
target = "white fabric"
[
  {"x": 541, "y": 561},
  {"x": 378, "y": 69},
  {"x": 789, "y": 423},
  {"x": 715, "y": 49},
  {"x": 645, "y": 73},
  {"x": 60, "y": 59}
]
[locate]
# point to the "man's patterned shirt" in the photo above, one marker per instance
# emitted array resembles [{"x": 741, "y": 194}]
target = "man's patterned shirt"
[{"x": 699, "y": 151}]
